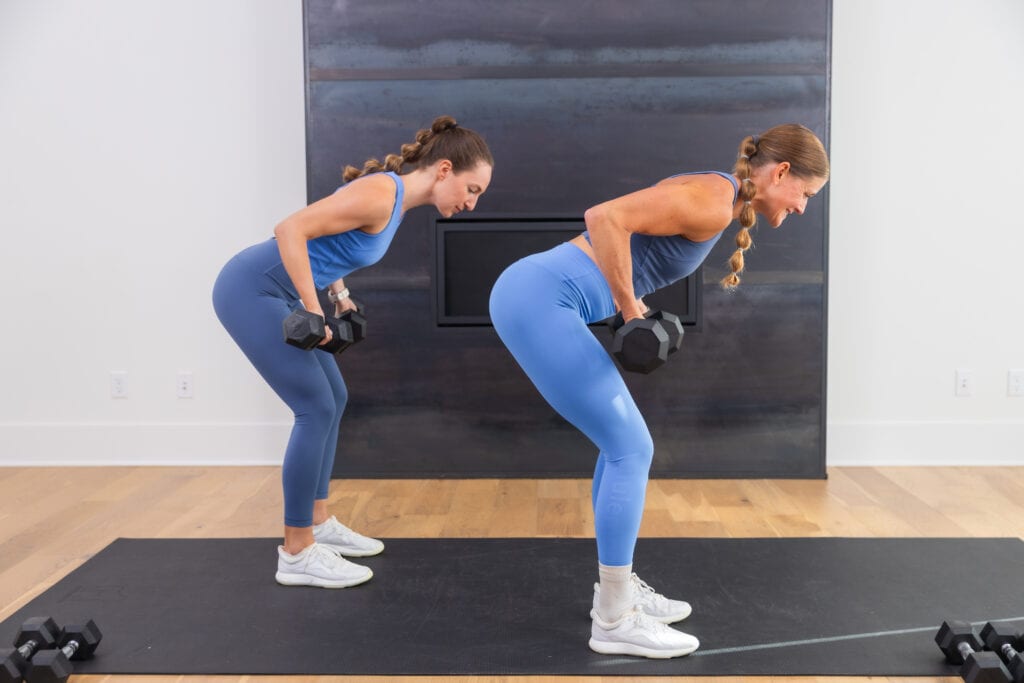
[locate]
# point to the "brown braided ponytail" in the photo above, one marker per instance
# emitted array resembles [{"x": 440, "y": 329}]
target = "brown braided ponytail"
[
  {"x": 789, "y": 142},
  {"x": 445, "y": 139}
]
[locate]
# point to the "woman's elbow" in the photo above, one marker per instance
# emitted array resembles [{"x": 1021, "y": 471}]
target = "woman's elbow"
[
  {"x": 595, "y": 216},
  {"x": 284, "y": 230}
]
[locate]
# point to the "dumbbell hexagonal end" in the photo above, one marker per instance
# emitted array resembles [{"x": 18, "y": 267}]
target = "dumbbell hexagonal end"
[
  {"x": 673, "y": 324},
  {"x": 87, "y": 635},
  {"x": 12, "y": 665},
  {"x": 1016, "y": 668},
  {"x": 951, "y": 634},
  {"x": 641, "y": 345},
  {"x": 43, "y": 630},
  {"x": 303, "y": 329},
  {"x": 984, "y": 667},
  {"x": 341, "y": 336},
  {"x": 358, "y": 322},
  {"x": 996, "y": 635},
  {"x": 48, "y": 666}
]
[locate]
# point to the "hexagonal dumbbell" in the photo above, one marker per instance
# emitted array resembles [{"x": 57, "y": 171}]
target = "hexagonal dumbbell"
[
  {"x": 357, "y": 319},
  {"x": 961, "y": 646},
  {"x": 643, "y": 345},
  {"x": 347, "y": 329},
  {"x": 341, "y": 336},
  {"x": 673, "y": 325},
  {"x": 35, "y": 634},
  {"x": 304, "y": 329},
  {"x": 77, "y": 641},
  {"x": 1006, "y": 643}
]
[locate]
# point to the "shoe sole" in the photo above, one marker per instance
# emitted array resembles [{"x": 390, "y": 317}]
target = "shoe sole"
[
  {"x": 349, "y": 552},
  {"x": 606, "y": 648},
  {"x": 286, "y": 579}
]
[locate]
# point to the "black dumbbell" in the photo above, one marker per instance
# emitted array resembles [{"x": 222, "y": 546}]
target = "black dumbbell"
[
  {"x": 961, "y": 646},
  {"x": 35, "y": 634},
  {"x": 1005, "y": 642},
  {"x": 341, "y": 336},
  {"x": 357, "y": 320},
  {"x": 347, "y": 329},
  {"x": 644, "y": 344},
  {"x": 673, "y": 325},
  {"x": 77, "y": 642},
  {"x": 304, "y": 329}
]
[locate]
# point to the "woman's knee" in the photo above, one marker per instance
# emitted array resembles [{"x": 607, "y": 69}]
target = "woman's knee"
[
  {"x": 340, "y": 399},
  {"x": 317, "y": 408},
  {"x": 637, "y": 452}
]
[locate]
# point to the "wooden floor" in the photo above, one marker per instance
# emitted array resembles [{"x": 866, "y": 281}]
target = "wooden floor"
[{"x": 54, "y": 519}]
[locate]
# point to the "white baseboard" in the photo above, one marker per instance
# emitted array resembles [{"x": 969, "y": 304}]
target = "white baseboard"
[
  {"x": 97, "y": 444},
  {"x": 850, "y": 443},
  {"x": 923, "y": 443}
]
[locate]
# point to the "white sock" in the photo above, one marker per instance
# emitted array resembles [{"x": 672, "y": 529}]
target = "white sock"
[{"x": 615, "y": 597}]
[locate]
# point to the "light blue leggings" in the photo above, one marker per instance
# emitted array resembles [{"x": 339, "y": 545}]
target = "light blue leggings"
[
  {"x": 540, "y": 307},
  {"x": 252, "y": 303}
]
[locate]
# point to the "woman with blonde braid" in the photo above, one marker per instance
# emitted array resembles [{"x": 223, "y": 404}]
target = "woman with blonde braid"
[
  {"x": 447, "y": 166},
  {"x": 541, "y": 306}
]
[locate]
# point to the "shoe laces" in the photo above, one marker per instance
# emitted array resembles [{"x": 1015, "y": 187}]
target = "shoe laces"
[
  {"x": 646, "y": 621},
  {"x": 340, "y": 529},
  {"x": 646, "y": 592},
  {"x": 326, "y": 556}
]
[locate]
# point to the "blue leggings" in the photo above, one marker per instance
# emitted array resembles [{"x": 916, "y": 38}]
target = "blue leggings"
[
  {"x": 252, "y": 302},
  {"x": 540, "y": 307}
]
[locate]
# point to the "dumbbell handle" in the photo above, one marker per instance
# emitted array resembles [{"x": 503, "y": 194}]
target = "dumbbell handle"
[
  {"x": 965, "y": 650},
  {"x": 28, "y": 648},
  {"x": 1008, "y": 651},
  {"x": 71, "y": 648}
]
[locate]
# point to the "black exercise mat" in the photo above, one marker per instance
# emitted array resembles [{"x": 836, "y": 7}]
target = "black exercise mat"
[{"x": 807, "y": 606}]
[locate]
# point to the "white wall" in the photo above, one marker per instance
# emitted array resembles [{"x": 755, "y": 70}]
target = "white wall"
[
  {"x": 141, "y": 144},
  {"x": 924, "y": 278}
]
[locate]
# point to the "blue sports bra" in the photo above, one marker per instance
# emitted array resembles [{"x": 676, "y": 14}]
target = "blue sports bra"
[{"x": 335, "y": 256}]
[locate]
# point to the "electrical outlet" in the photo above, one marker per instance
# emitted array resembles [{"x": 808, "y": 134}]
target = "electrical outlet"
[
  {"x": 964, "y": 382},
  {"x": 1015, "y": 383},
  {"x": 118, "y": 384},
  {"x": 184, "y": 385}
]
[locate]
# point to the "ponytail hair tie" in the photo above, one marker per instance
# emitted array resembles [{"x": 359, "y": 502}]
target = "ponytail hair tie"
[
  {"x": 748, "y": 179},
  {"x": 744, "y": 156}
]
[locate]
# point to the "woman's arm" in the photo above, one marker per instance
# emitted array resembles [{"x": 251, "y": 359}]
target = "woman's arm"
[
  {"x": 339, "y": 294},
  {"x": 366, "y": 204},
  {"x": 696, "y": 210}
]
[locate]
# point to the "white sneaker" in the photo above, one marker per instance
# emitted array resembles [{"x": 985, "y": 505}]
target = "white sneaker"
[
  {"x": 637, "y": 634},
  {"x": 653, "y": 604},
  {"x": 339, "y": 537},
  {"x": 318, "y": 565}
]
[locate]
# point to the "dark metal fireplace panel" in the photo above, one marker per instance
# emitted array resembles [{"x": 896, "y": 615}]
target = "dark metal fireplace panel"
[{"x": 580, "y": 102}]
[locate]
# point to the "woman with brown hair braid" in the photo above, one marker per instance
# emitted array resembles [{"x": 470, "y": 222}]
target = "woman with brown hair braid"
[
  {"x": 541, "y": 306},
  {"x": 447, "y": 166}
]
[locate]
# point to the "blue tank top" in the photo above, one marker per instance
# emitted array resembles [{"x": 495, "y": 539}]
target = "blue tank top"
[
  {"x": 335, "y": 256},
  {"x": 660, "y": 260}
]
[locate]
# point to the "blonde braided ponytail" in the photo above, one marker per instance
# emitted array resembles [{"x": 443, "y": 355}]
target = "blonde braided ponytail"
[
  {"x": 748, "y": 218},
  {"x": 788, "y": 142}
]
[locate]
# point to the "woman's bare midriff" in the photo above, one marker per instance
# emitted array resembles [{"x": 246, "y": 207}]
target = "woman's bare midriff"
[{"x": 584, "y": 246}]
